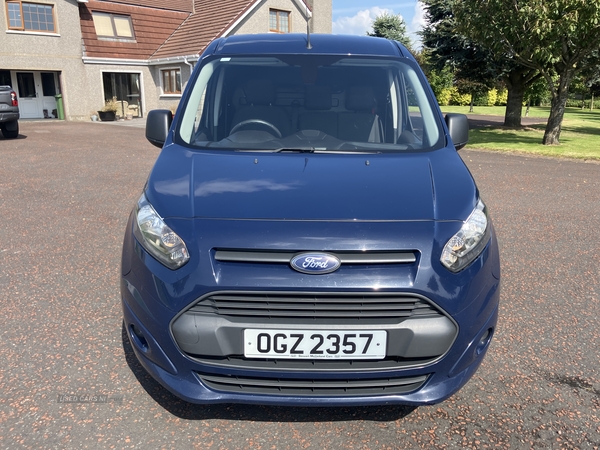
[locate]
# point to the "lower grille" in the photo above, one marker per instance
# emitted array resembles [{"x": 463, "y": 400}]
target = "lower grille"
[
  {"x": 312, "y": 387},
  {"x": 391, "y": 308}
]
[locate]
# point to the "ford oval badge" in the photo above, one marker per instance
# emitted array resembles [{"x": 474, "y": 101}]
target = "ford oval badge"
[{"x": 315, "y": 263}]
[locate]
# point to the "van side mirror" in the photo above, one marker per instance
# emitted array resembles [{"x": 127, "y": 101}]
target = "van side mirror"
[
  {"x": 458, "y": 126},
  {"x": 158, "y": 123}
]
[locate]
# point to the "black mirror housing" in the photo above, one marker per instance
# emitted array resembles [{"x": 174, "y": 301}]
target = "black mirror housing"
[
  {"x": 158, "y": 124},
  {"x": 458, "y": 126}
]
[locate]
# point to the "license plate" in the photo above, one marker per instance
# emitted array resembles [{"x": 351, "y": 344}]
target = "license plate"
[{"x": 315, "y": 344}]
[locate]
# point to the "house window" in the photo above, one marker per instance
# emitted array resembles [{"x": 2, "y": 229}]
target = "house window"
[
  {"x": 5, "y": 78},
  {"x": 171, "y": 81},
  {"x": 30, "y": 16},
  {"x": 112, "y": 25},
  {"x": 125, "y": 89},
  {"x": 279, "y": 21}
]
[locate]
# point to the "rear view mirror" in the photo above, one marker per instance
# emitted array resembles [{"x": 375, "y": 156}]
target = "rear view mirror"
[
  {"x": 157, "y": 126},
  {"x": 458, "y": 126}
]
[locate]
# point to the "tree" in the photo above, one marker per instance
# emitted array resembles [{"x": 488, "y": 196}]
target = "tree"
[
  {"x": 553, "y": 37},
  {"x": 473, "y": 63},
  {"x": 439, "y": 80},
  {"x": 391, "y": 26},
  {"x": 588, "y": 80}
]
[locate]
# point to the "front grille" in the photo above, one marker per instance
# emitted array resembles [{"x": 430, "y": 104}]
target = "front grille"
[
  {"x": 309, "y": 306},
  {"x": 371, "y": 257},
  {"x": 312, "y": 365},
  {"x": 312, "y": 387}
]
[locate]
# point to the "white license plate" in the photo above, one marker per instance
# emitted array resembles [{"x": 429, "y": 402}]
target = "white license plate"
[{"x": 315, "y": 344}]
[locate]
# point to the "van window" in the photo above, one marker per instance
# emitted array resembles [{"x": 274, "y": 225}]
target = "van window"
[{"x": 308, "y": 102}]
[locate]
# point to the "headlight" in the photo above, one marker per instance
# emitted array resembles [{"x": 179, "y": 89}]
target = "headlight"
[
  {"x": 469, "y": 242},
  {"x": 157, "y": 238}
]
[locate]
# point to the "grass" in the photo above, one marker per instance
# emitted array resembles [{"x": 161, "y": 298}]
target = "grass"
[{"x": 580, "y": 136}]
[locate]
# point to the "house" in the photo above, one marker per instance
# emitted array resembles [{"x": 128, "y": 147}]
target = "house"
[{"x": 141, "y": 52}]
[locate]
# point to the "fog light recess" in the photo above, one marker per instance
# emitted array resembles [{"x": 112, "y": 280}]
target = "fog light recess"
[
  {"x": 484, "y": 340},
  {"x": 138, "y": 337}
]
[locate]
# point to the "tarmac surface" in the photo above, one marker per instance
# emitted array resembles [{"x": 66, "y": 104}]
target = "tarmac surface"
[{"x": 68, "y": 377}]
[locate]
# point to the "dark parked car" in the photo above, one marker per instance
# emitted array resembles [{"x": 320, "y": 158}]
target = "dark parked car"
[
  {"x": 309, "y": 234},
  {"x": 9, "y": 112}
]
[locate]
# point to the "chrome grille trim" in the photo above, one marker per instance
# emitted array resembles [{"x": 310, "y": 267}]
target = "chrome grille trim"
[{"x": 404, "y": 257}]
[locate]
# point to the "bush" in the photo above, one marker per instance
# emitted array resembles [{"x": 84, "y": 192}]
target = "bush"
[
  {"x": 444, "y": 97},
  {"x": 492, "y": 97},
  {"x": 480, "y": 99},
  {"x": 458, "y": 99},
  {"x": 576, "y": 103},
  {"x": 501, "y": 98}
]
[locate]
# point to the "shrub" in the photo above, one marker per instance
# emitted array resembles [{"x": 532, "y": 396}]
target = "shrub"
[
  {"x": 444, "y": 97},
  {"x": 456, "y": 98},
  {"x": 501, "y": 97},
  {"x": 110, "y": 105},
  {"x": 492, "y": 97}
]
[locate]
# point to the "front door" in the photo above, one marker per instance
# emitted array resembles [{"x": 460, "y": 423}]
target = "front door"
[
  {"x": 30, "y": 103},
  {"x": 36, "y": 91}
]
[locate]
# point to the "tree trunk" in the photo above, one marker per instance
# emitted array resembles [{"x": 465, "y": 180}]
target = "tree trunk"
[
  {"x": 592, "y": 102},
  {"x": 560, "y": 94},
  {"x": 472, "y": 101},
  {"x": 514, "y": 103}
]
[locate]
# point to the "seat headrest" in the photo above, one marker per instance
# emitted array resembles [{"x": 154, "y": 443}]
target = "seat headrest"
[
  {"x": 260, "y": 92},
  {"x": 360, "y": 98},
  {"x": 317, "y": 97}
]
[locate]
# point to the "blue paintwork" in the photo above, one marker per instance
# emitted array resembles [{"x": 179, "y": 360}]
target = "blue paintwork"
[
  {"x": 285, "y": 202},
  {"x": 229, "y": 185},
  {"x": 325, "y": 44}
]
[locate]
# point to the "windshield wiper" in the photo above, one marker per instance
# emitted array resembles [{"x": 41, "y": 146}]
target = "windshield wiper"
[{"x": 296, "y": 150}]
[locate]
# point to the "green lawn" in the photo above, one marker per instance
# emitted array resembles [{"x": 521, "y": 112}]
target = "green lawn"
[{"x": 580, "y": 136}]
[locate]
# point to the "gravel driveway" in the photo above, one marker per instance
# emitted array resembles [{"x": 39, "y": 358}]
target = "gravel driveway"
[{"x": 68, "y": 378}]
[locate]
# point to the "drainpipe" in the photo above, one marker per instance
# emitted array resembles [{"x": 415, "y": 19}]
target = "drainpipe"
[{"x": 185, "y": 60}]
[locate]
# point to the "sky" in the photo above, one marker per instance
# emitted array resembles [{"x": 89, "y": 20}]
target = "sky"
[{"x": 356, "y": 16}]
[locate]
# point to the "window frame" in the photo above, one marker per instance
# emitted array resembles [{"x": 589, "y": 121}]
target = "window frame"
[
  {"x": 278, "y": 12},
  {"x": 171, "y": 71},
  {"x": 22, "y": 28},
  {"x": 115, "y": 35}
]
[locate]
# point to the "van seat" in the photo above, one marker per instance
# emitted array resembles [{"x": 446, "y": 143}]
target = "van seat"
[
  {"x": 360, "y": 123},
  {"x": 317, "y": 102}
]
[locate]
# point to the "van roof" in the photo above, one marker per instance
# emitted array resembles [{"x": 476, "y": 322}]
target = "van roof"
[{"x": 295, "y": 43}]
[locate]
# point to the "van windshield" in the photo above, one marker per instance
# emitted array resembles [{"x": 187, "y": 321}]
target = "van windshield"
[{"x": 309, "y": 103}]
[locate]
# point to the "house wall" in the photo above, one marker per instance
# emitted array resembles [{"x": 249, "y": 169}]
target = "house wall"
[
  {"x": 94, "y": 100},
  {"x": 258, "y": 22},
  {"x": 49, "y": 52},
  {"x": 321, "y": 21},
  {"x": 163, "y": 101}
]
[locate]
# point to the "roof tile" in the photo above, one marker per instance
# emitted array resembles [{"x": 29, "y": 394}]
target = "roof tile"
[
  {"x": 210, "y": 19},
  {"x": 172, "y": 5},
  {"x": 151, "y": 28}
]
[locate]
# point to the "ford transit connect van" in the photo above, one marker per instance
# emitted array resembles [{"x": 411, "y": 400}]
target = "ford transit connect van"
[{"x": 309, "y": 234}]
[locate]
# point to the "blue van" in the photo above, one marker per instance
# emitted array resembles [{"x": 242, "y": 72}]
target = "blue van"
[{"x": 309, "y": 234}]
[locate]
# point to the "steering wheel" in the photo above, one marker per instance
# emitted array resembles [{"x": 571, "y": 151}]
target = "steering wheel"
[{"x": 256, "y": 122}]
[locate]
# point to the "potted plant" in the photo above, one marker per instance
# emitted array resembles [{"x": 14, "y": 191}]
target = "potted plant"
[{"x": 109, "y": 110}]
